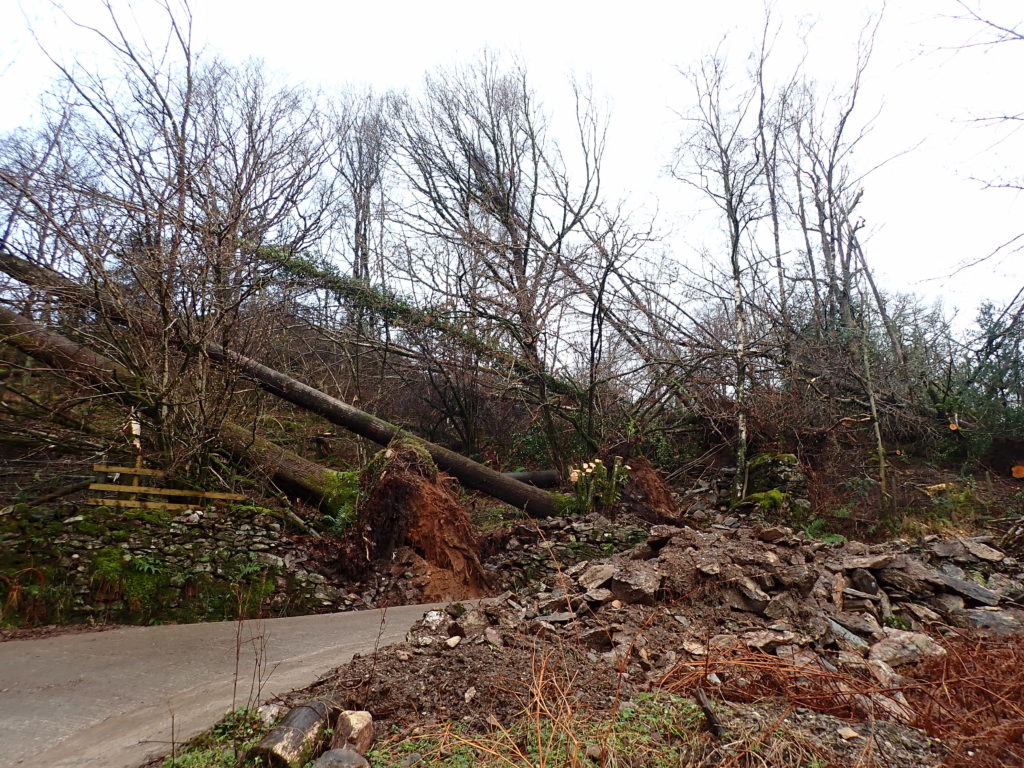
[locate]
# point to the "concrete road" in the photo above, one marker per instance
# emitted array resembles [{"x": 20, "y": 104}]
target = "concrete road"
[{"x": 115, "y": 699}]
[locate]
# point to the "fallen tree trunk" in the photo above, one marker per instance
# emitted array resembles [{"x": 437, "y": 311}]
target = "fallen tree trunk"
[
  {"x": 293, "y": 473},
  {"x": 542, "y": 478},
  {"x": 468, "y": 472},
  {"x": 65, "y": 490}
]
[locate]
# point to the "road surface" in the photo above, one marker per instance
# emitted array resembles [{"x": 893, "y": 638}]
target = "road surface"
[{"x": 115, "y": 699}]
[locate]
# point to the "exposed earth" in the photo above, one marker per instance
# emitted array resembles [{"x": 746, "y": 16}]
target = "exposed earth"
[{"x": 758, "y": 644}]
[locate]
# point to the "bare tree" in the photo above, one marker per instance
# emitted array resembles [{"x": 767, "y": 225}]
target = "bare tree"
[
  {"x": 163, "y": 190},
  {"x": 492, "y": 200},
  {"x": 720, "y": 156}
]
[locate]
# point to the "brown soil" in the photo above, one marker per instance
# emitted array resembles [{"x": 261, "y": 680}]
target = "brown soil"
[
  {"x": 411, "y": 689},
  {"x": 649, "y": 493},
  {"x": 410, "y": 504},
  {"x": 406, "y": 688}
]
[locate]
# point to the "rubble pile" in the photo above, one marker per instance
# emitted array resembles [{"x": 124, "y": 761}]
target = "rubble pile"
[
  {"x": 512, "y": 556},
  {"x": 534, "y": 550},
  {"x": 685, "y": 595},
  {"x": 790, "y": 631}
]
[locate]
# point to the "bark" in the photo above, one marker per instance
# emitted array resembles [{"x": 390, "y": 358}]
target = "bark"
[
  {"x": 293, "y": 473},
  {"x": 297, "y": 474},
  {"x": 541, "y": 478},
  {"x": 297, "y": 738},
  {"x": 470, "y": 473}
]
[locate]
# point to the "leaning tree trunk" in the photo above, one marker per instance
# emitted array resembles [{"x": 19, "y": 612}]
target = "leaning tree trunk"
[
  {"x": 290, "y": 471},
  {"x": 468, "y": 472}
]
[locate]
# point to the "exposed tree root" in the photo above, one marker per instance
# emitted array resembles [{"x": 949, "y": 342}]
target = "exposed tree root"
[
  {"x": 408, "y": 503},
  {"x": 650, "y": 494}
]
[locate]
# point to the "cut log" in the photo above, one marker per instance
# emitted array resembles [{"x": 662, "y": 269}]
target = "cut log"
[
  {"x": 291, "y": 472},
  {"x": 471, "y": 474},
  {"x": 298, "y": 738}
]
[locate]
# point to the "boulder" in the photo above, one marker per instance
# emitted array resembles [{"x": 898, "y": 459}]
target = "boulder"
[
  {"x": 472, "y": 623},
  {"x": 354, "y": 729}
]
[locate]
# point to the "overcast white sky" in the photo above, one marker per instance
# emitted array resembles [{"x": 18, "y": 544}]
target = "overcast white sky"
[{"x": 927, "y": 211}]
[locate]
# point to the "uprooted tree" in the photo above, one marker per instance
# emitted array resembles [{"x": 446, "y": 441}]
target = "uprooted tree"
[{"x": 255, "y": 258}]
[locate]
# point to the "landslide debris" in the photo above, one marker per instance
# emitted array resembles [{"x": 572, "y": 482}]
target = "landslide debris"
[{"x": 777, "y": 629}]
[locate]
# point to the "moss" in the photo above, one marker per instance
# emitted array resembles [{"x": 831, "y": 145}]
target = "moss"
[
  {"x": 108, "y": 565},
  {"x": 89, "y": 528},
  {"x": 562, "y": 504},
  {"x": 158, "y": 517},
  {"x": 407, "y": 444},
  {"x": 140, "y": 581},
  {"x": 140, "y": 590},
  {"x": 341, "y": 496},
  {"x": 768, "y": 501},
  {"x": 763, "y": 459}
]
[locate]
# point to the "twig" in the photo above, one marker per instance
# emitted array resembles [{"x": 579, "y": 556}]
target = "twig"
[
  {"x": 65, "y": 490},
  {"x": 714, "y": 724}
]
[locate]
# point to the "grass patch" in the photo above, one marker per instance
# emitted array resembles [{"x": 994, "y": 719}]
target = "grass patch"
[
  {"x": 223, "y": 746},
  {"x": 653, "y": 730}
]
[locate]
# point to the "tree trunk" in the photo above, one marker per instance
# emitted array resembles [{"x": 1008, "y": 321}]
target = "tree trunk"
[
  {"x": 241, "y": 443},
  {"x": 293, "y": 473},
  {"x": 471, "y": 474}
]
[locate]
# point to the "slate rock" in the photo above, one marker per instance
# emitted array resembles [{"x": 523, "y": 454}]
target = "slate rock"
[
  {"x": 1011, "y": 589},
  {"x": 970, "y": 589},
  {"x": 563, "y": 617},
  {"x": 983, "y": 551},
  {"x": 901, "y": 647},
  {"x": 598, "y": 596},
  {"x": 998, "y": 622},
  {"x": 863, "y": 581},
  {"x": 947, "y": 603},
  {"x": 952, "y": 548},
  {"x": 472, "y": 623},
  {"x": 636, "y": 581},
  {"x": 799, "y": 577},
  {"x": 599, "y": 638},
  {"x": 767, "y": 639},
  {"x": 773, "y": 534},
  {"x": 868, "y": 561},
  {"x": 845, "y": 635},
  {"x": 862, "y": 624},
  {"x": 596, "y": 575}
]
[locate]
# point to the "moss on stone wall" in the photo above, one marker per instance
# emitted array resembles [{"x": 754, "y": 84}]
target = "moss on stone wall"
[{"x": 148, "y": 566}]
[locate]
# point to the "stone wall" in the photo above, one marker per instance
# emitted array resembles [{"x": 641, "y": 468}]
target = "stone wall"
[{"x": 73, "y": 564}]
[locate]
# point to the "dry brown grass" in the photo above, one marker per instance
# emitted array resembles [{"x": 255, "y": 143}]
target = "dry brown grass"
[{"x": 973, "y": 699}]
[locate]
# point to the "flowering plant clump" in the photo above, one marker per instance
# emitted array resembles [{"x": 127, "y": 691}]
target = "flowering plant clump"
[{"x": 597, "y": 485}]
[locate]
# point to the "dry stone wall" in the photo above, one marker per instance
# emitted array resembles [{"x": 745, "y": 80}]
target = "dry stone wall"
[{"x": 68, "y": 564}]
